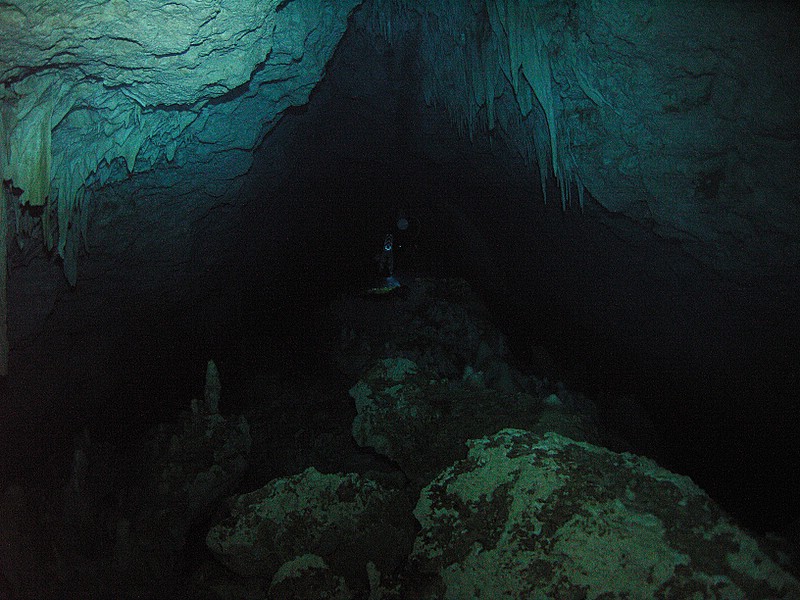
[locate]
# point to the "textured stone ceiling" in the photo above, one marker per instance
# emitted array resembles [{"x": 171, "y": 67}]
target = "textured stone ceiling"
[
  {"x": 95, "y": 91},
  {"x": 683, "y": 118}
]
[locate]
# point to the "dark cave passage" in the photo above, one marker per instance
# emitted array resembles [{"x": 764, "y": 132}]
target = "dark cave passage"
[
  {"x": 665, "y": 350},
  {"x": 663, "y": 345}
]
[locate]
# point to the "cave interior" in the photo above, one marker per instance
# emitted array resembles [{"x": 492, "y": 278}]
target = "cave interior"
[{"x": 683, "y": 329}]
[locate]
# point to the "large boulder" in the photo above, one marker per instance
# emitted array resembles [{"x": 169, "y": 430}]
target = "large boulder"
[
  {"x": 422, "y": 423},
  {"x": 345, "y": 520},
  {"x": 525, "y": 516},
  {"x": 440, "y": 324}
]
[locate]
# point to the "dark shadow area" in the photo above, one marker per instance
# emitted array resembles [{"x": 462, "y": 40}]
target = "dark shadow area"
[{"x": 701, "y": 362}]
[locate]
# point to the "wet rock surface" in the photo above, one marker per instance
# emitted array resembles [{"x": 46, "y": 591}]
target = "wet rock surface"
[
  {"x": 530, "y": 516},
  {"x": 421, "y": 422},
  {"x": 312, "y": 495}
]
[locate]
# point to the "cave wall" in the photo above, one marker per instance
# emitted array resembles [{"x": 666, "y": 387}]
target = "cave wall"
[
  {"x": 682, "y": 117},
  {"x": 96, "y": 93},
  {"x": 126, "y": 132}
]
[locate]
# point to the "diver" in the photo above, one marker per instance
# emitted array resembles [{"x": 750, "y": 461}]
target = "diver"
[
  {"x": 404, "y": 231},
  {"x": 386, "y": 260}
]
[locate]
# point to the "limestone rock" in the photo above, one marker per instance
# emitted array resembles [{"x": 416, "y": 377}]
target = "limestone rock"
[
  {"x": 525, "y": 516},
  {"x": 346, "y": 520},
  {"x": 307, "y": 577},
  {"x": 93, "y": 90},
  {"x": 422, "y": 423},
  {"x": 203, "y": 460},
  {"x": 439, "y": 323},
  {"x": 119, "y": 525}
]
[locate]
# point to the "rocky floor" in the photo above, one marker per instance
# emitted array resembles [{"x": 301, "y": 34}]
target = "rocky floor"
[{"x": 405, "y": 456}]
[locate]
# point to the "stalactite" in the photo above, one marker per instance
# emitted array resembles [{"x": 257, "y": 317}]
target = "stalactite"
[
  {"x": 470, "y": 51},
  {"x": 3, "y": 280},
  {"x": 4, "y": 146}
]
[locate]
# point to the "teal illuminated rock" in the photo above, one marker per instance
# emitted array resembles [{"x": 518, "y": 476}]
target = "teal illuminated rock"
[{"x": 526, "y": 516}]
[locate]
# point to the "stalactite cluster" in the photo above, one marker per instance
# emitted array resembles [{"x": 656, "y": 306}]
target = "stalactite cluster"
[{"x": 473, "y": 53}]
